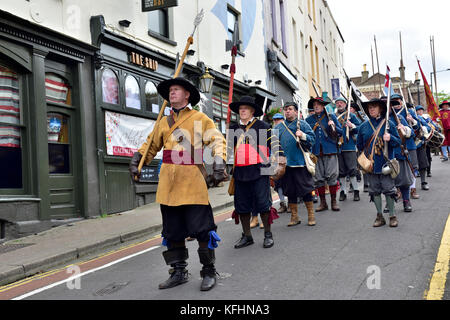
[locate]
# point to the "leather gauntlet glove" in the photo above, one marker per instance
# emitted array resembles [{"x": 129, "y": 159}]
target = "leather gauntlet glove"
[{"x": 134, "y": 164}]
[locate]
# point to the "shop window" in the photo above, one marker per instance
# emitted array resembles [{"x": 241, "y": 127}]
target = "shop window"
[
  {"x": 132, "y": 93},
  {"x": 10, "y": 131},
  {"x": 58, "y": 143},
  {"x": 56, "y": 89},
  {"x": 110, "y": 87},
  {"x": 151, "y": 97}
]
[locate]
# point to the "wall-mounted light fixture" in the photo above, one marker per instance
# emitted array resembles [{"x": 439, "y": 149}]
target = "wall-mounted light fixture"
[
  {"x": 206, "y": 81},
  {"x": 190, "y": 52},
  {"x": 124, "y": 23},
  {"x": 225, "y": 66},
  {"x": 258, "y": 82}
]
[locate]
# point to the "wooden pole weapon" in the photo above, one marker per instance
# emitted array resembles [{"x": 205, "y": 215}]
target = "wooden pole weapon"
[{"x": 189, "y": 41}]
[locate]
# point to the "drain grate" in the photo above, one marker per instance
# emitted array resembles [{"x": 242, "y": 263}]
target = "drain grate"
[
  {"x": 111, "y": 288},
  {"x": 13, "y": 246}
]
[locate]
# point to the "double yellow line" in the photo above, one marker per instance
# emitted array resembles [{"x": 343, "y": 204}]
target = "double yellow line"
[{"x": 437, "y": 283}]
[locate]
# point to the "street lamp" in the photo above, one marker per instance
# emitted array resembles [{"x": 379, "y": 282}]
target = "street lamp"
[
  {"x": 206, "y": 81},
  {"x": 431, "y": 77}
]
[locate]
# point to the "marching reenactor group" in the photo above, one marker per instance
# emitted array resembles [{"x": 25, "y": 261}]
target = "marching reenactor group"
[{"x": 386, "y": 144}]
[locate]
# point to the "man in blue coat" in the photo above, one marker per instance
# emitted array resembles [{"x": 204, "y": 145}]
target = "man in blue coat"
[
  {"x": 327, "y": 130},
  {"x": 297, "y": 181},
  {"x": 372, "y": 137},
  {"x": 347, "y": 149}
]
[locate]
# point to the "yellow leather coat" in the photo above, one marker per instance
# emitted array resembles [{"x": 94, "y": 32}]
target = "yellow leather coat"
[{"x": 184, "y": 184}]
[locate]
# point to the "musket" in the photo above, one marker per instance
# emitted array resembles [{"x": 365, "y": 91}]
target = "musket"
[
  {"x": 386, "y": 128},
  {"x": 189, "y": 41},
  {"x": 264, "y": 109},
  {"x": 333, "y": 128},
  {"x": 349, "y": 101},
  {"x": 403, "y": 148}
]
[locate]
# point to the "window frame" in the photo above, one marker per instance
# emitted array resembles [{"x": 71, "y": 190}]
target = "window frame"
[
  {"x": 169, "y": 39},
  {"x": 237, "y": 15},
  {"x": 24, "y": 134}
]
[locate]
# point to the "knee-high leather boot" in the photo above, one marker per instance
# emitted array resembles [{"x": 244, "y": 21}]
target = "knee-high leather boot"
[
  {"x": 294, "y": 215},
  {"x": 208, "y": 272},
  {"x": 176, "y": 258},
  {"x": 310, "y": 207}
]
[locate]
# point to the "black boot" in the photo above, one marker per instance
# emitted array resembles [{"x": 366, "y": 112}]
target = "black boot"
[
  {"x": 244, "y": 241},
  {"x": 342, "y": 196},
  {"x": 425, "y": 186},
  {"x": 356, "y": 195},
  {"x": 176, "y": 258},
  {"x": 268, "y": 239},
  {"x": 208, "y": 272},
  {"x": 407, "y": 206}
]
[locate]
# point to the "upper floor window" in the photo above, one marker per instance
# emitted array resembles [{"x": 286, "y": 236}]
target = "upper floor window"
[
  {"x": 283, "y": 28},
  {"x": 110, "y": 87},
  {"x": 232, "y": 17},
  {"x": 158, "y": 22},
  {"x": 57, "y": 89}
]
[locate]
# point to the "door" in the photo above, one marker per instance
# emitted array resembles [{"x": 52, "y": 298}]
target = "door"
[{"x": 62, "y": 169}]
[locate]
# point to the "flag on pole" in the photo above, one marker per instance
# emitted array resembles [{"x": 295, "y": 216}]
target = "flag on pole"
[
  {"x": 387, "y": 82},
  {"x": 357, "y": 96},
  {"x": 432, "y": 108}
]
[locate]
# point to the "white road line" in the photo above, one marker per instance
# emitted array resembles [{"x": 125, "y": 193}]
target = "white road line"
[{"x": 83, "y": 274}]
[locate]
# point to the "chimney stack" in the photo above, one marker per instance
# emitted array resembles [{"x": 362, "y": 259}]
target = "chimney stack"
[{"x": 365, "y": 74}]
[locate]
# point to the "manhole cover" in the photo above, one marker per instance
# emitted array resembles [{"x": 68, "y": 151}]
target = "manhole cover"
[
  {"x": 13, "y": 246},
  {"x": 111, "y": 288}
]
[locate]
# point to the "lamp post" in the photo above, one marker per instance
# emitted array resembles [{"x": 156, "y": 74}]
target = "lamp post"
[{"x": 431, "y": 77}]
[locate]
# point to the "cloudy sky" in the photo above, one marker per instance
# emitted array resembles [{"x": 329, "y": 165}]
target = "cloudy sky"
[{"x": 417, "y": 20}]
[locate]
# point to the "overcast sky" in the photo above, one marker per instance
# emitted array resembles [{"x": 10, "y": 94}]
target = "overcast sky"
[{"x": 360, "y": 20}]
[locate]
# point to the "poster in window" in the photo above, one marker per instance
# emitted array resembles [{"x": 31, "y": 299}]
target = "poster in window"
[
  {"x": 110, "y": 87},
  {"x": 125, "y": 134}
]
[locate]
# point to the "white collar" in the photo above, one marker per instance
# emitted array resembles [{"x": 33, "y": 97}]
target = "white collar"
[
  {"x": 187, "y": 106},
  {"x": 240, "y": 121}
]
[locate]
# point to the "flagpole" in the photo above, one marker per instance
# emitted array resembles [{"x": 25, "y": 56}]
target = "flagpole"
[
  {"x": 378, "y": 64},
  {"x": 433, "y": 59},
  {"x": 402, "y": 67},
  {"x": 373, "y": 69}
]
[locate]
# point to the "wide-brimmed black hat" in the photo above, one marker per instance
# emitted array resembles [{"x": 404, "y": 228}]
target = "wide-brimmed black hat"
[
  {"x": 164, "y": 89},
  {"x": 248, "y": 101},
  {"x": 378, "y": 101},
  {"x": 318, "y": 99}
]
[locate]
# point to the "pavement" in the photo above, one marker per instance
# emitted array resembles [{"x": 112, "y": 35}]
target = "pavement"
[{"x": 60, "y": 245}]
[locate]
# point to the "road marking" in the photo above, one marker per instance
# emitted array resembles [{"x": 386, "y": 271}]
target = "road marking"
[
  {"x": 437, "y": 283},
  {"x": 54, "y": 273},
  {"x": 83, "y": 274}
]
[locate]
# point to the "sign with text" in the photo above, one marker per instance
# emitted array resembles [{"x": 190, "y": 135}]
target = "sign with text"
[
  {"x": 125, "y": 134},
  {"x": 149, "y": 174},
  {"x": 150, "y": 5},
  {"x": 335, "y": 89},
  {"x": 143, "y": 61}
]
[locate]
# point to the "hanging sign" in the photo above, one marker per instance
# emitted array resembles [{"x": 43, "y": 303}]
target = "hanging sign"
[
  {"x": 150, "y": 5},
  {"x": 335, "y": 88}
]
